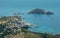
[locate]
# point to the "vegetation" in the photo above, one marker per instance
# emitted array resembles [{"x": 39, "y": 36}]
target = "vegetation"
[{"x": 11, "y": 30}]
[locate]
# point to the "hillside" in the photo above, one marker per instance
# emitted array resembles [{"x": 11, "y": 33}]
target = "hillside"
[
  {"x": 32, "y": 35},
  {"x": 57, "y": 36},
  {"x": 16, "y": 32},
  {"x": 11, "y": 28}
]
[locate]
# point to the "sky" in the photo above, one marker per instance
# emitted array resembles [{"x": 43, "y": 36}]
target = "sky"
[
  {"x": 26, "y": 3},
  {"x": 12, "y": 5}
]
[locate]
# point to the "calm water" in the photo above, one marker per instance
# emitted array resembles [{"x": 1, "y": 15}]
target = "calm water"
[{"x": 46, "y": 23}]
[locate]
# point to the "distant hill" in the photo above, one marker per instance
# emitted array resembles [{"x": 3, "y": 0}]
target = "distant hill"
[{"x": 39, "y": 11}]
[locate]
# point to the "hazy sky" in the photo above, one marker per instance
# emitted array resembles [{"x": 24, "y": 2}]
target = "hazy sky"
[{"x": 26, "y": 3}]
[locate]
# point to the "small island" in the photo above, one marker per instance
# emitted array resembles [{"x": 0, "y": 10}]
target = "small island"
[{"x": 40, "y": 11}]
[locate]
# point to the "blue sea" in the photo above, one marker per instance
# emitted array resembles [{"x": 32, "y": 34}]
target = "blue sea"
[{"x": 46, "y": 23}]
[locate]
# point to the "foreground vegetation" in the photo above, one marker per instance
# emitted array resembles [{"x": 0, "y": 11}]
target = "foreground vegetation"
[{"x": 10, "y": 29}]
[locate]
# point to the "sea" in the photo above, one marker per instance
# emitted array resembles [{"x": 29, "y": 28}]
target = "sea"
[{"x": 45, "y": 23}]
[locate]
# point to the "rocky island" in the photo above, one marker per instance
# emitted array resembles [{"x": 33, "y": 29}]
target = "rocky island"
[{"x": 39, "y": 11}]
